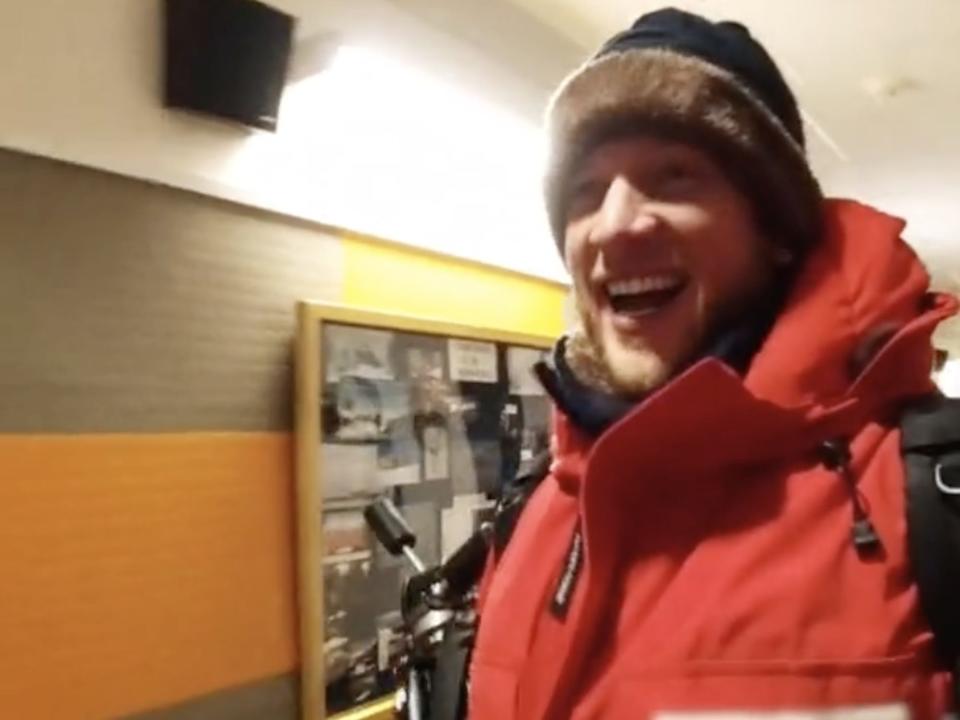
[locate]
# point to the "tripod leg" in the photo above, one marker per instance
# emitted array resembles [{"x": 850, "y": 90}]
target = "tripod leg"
[{"x": 416, "y": 696}]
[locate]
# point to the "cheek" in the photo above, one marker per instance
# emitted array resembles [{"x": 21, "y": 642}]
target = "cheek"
[
  {"x": 721, "y": 276},
  {"x": 579, "y": 260},
  {"x": 728, "y": 256}
]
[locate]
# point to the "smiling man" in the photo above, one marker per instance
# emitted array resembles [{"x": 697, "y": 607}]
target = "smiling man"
[
  {"x": 665, "y": 253},
  {"x": 721, "y": 533}
]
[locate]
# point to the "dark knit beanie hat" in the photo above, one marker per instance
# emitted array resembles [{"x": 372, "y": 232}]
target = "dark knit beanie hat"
[{"x": 680, "y": 76}]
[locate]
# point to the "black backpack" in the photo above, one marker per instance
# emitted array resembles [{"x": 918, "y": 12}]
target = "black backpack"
[
  {"x": 931, "y": 453},
  {"x": 930, "y": 429}
]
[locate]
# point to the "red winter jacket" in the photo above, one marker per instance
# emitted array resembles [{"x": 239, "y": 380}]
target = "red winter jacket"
[{"x": 718, "y": 576}]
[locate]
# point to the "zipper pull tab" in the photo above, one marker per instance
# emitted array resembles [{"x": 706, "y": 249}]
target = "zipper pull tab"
[
  {"x": 865, "y": 538},
  {"x": 835, "y": 455}
]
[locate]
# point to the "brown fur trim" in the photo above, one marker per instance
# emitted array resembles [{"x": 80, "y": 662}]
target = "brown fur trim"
[{"x": 687, "y": 99}]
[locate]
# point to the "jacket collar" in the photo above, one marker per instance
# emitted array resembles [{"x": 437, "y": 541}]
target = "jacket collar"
[{"x": 593, "y": 410}]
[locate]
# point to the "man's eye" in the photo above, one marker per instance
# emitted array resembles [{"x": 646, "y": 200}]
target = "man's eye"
[
  {"x": 585, "y": 195},
  {"x": 677, "y": 177}
]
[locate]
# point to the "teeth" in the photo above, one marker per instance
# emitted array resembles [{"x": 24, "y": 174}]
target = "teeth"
[{"x": 637, "y": 286}]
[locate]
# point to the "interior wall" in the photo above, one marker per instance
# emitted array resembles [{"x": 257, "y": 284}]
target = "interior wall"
[
  {"x": 82, "y": 82},
  {"x": 147, "y": 553}
]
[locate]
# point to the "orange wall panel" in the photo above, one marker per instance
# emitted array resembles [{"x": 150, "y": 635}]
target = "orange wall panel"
[{"x": 138, "y": 570}]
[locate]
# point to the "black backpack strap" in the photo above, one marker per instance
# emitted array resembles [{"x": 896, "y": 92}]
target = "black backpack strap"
[
  {"x": 449, "y": 682},
  {"x": 513, "y": 499},
  {"x": 931, "y": 450}
]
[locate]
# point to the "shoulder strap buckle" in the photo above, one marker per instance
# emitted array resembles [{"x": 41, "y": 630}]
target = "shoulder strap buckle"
[{"x": 942, "y": 485}]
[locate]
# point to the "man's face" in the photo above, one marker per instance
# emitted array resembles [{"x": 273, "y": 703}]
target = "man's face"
[{"x": 663, "y": 249}]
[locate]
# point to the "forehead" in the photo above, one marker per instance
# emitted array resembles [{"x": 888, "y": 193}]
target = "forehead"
[{"x": 636, "y": 151}]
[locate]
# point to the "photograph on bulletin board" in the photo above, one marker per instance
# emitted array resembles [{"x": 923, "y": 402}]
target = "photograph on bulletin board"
[{"x": 432, "y": 416}]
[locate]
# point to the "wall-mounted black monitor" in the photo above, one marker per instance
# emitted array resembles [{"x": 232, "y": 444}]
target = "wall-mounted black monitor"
[{"x": 227, "y": 58}]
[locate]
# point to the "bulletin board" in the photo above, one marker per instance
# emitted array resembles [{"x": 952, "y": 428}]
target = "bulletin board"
[{"x": 430, "y": 414}]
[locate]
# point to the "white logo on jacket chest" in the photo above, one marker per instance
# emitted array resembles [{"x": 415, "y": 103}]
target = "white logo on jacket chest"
[{"x": 871, "y": 712}]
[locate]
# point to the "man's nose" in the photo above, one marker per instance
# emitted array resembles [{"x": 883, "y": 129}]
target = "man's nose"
[{"x": 624, "y": 213}]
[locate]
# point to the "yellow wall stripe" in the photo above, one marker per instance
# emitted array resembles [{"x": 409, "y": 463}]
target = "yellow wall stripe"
[{"x": 392, "y": 278}]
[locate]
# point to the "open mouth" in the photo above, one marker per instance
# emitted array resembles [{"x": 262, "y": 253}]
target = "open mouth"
[{"x": 645, "y": 295}]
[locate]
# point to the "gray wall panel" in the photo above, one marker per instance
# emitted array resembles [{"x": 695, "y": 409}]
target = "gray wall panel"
[{"x": 132, "y": 307}]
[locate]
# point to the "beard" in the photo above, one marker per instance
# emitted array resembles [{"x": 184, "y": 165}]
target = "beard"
[
  {"x": 633, "y": 376},
  {"x": 637, "y": 369}
]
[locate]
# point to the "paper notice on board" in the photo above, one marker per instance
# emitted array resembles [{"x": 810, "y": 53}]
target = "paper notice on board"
[
  {"x": 520, "y": 363},
  {"x": 459, "y": 522},
  {"x": 472, "y": 361}
]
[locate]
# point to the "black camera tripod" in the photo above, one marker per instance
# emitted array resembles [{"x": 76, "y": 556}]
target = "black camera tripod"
[{"x": 438, "y": 618}]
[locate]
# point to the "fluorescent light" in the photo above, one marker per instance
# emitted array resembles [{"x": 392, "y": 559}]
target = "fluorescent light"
[{"x": 383, "y": 148}]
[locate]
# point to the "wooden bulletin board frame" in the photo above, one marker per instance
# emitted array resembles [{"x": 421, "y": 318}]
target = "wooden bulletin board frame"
[{"x": 313, "y": 318}]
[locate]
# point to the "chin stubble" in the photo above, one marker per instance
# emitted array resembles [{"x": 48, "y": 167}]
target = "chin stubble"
[{"x": 592, "y": 365}]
